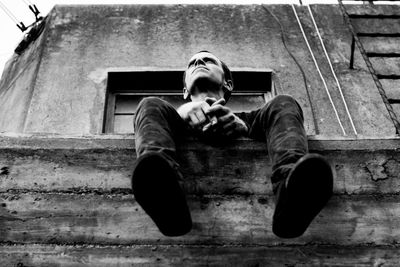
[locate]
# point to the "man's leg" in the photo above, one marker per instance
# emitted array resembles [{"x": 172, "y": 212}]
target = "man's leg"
[
  {"x": 302, "y": 182},
  {"x": 156, "y": 175}
]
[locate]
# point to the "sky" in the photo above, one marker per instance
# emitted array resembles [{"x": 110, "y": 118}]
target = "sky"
[{"x": 11, "y": 35}]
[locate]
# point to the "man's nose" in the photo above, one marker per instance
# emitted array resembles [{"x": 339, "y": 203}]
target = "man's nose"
[{"x": 199, "y": 61}]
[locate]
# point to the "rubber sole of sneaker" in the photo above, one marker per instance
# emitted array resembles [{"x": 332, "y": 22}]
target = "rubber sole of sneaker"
[
  {"x": 156, "y": 188},
  {"x": 308, "y": 189}
]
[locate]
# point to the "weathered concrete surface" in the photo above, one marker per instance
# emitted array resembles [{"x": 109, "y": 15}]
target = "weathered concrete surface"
[
  {"x": 112, "y": 219},
  {"x": 200, "y": 255},
  {"x": 381, "y": 44},
  {"x": 386, "y": 66},
  {"x": 370, "y": 26},
  {"x": 392, "y": 88},
  {"x": 45, "y": 164},
  {"x": 90, "y": 40},
  {"x": 387, "y": 10},
  {"x": 50, "y": 194},
  {"x": 17, "y": 85},
  {"x": 359, "y": 90}
]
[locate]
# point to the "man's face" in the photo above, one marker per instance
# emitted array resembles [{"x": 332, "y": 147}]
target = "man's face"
[{"x": 205, "y": 76}]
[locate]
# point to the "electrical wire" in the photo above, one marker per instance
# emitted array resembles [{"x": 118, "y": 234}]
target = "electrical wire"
[
  {"x": 319, "y": 71},
  {"x": 9, "y": 13},
  {"x": 27, "y": 2},
  {"x": 333, "y": 71},
  {"x": 297, "y": 63}
]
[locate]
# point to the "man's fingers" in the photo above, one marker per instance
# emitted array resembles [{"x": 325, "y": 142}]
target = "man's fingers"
[
  {"x": 213, "y": 101},
  {"x": 210, "y": 100},
  {"x": 217, "y": 110},
  {"x": 193, "y": 119},
  {"x": 229, "y": 126},
  {"x": 213, "y": 123},
  {"x": 209, "y": 116},
  {"x": 220, "y": 124},
  {"x": 206, "y": 127},
  {"x": 223, "y": 120},
  {"x": 218, "y": 107},
  {"x": 198, "y": 118},
  {"x": 201, "y": 117},
  {"x": 205, "y": 108},
  {"x": 221, "y": 102}
]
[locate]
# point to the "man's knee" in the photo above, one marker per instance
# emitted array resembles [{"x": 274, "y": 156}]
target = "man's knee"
[
  {"x": 282, "y": 105},
  {"x": 151, "y": 102},
  {"x": 280, "y": 102},
  {"x": 283, "y": 100},
  {"x": 151, "y": 106}
]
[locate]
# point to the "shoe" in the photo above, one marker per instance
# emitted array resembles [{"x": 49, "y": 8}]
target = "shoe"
[
  {"x": 302, "y": 196},
  {"x": 155, "y": 185}
]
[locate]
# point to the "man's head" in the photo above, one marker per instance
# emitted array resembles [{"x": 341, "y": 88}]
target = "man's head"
[{"x": 207, "y": 76}]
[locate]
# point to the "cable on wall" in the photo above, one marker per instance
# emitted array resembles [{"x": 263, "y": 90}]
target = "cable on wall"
[
  {"x": 333, "y": 71},
  {"x": 297, "y": 63},
  {"x": 319, "y": 71}
]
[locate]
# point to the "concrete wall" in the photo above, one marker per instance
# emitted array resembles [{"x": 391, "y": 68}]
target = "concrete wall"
[
  {"x": 66, "y": 201},
  {"x": 17, "y": 86},
  {"x": 83, "y": 43}
]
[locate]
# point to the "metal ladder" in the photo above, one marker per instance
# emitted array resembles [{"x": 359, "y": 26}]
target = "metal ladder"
[{"x": 349, "y": 18}]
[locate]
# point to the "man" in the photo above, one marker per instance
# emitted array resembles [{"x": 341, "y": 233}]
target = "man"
[{"x": 302, "y": 182}]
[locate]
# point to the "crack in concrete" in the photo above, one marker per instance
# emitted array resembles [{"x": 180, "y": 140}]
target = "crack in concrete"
[
  {"x": 380, "y": 170},
  {"x": 376, "y": 170},
  {"x": 4, "y": 171}
]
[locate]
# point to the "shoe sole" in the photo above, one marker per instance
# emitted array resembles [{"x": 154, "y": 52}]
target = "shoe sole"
[
  {"x": 308, "y": 189},
  {"x": 156, "y": 188}
]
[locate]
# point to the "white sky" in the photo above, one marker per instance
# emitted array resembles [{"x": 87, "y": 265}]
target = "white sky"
[{"x": 11, "y": 35}]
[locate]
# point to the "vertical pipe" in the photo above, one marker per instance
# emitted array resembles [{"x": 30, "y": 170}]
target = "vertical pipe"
[{"x": 352, "y": 52}]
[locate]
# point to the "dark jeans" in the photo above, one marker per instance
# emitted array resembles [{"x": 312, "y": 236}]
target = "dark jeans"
[{"x": 279, "y": 123}]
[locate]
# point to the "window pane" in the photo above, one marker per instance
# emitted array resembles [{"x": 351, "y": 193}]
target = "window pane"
[
  {"x": 123, "y": 124},
  {"x": 239, "y": 103},
  {"x": 128, "y": 103},
  {"x": 126, "y": 106}
]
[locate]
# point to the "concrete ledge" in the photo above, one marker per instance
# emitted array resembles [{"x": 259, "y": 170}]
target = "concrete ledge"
[
  {"x": 121, "y": 256},
  {"x": 104, "y": 164},
  {"x": 236, "y": 220}
]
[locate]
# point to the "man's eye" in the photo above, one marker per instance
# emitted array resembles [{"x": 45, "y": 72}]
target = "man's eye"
[{"x": 210, "y": 60}]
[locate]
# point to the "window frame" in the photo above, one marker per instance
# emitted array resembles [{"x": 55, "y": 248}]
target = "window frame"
[{"x": 112, "y": 93}]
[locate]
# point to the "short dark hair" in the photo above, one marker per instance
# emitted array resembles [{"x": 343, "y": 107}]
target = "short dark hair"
[{"x": 227, "y": 74}]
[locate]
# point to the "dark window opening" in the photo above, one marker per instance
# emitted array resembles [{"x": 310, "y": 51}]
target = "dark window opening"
[{"x": 125, "y": 90}]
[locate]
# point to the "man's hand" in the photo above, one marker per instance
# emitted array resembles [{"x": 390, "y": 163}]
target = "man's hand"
[
  {"x": 195, "y": 113},
  {"x": 212, "y": 117},
  {"x": 224, "y": 121}
]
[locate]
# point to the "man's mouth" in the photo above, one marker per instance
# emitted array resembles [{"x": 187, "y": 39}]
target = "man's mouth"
[{"x": 197, "y": 68}]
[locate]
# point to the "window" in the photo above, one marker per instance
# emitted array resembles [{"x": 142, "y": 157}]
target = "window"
[{"x": 126, "y": 89}]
